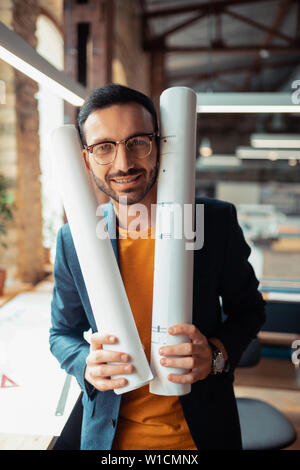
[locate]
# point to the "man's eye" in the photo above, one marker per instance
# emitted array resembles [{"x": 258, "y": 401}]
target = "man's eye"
[
  {"x": 103, "y": 148},
  {"x": 138, "y": 141}
]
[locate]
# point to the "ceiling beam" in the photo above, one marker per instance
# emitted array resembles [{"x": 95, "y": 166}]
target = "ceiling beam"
[
  {"x": 183, "y": 24},
  {"x": 208, "y": 7},
  {"x": 231, "y": 70},
  {"x": 249, "y": 21},
  {"x": 248, "y": 49}
]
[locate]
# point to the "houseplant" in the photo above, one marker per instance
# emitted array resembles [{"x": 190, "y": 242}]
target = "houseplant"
[{"x": 6, "y": 215}]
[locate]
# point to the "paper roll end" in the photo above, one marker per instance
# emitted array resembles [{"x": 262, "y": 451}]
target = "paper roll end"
[
  {"x": 178, "y": 89},
  {"x": 172, "y": 390},
  {"x": 130, "y": 388}
]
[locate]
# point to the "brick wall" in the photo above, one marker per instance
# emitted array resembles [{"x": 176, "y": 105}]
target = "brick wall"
[{"x": 19, "y": 154}]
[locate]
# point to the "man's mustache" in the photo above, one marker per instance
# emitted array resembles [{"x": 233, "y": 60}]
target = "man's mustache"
[{"x": 130, "y": 172}]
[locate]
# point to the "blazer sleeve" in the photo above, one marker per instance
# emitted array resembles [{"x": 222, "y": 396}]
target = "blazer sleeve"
[
  {"x": 68, "y": 319},
  {"x": 243, "y": 305}
]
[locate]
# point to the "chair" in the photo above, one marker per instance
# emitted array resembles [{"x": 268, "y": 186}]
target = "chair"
[{"x": 263, "y": 427}]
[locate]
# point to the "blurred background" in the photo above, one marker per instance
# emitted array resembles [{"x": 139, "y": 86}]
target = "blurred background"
[{"x": 242, "y": 57}]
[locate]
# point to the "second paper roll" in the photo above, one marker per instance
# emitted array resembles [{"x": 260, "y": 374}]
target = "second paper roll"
[{"x": 173, "y": 264}]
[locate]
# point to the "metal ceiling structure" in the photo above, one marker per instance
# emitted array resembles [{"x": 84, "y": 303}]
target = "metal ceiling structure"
[{"x": 224, "y": 45}]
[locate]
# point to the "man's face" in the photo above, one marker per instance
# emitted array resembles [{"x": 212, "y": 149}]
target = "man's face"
[{"x": 115, "y": 123}]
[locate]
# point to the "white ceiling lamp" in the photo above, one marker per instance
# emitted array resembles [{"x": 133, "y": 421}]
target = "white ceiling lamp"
[
  {"x": 220, "y": 161},
  {"x": 292, "y": 161},
  {"x": 276, "y": 141},
  {"x": 272, "y": 154},
  {"x": 20, "y": 55},
  {"x": 246, "y": 103},
  {"x": 205, "y": 149}
]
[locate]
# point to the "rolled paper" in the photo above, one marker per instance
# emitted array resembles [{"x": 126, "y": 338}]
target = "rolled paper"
[
  {"x": 100, "y": 270},
  {"x": 173, "y": 262}
]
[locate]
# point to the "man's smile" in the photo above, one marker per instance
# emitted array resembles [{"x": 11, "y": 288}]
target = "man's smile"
[{"x": 127, "y": 181}]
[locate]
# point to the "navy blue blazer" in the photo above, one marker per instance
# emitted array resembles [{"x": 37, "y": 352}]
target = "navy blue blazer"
[{"x": 224, "y": 281}]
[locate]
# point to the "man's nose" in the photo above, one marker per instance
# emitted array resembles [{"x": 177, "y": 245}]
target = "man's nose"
[{"x": 123, "y": 160}]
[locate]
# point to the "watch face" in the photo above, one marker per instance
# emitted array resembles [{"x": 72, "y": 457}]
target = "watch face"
[{"x": 220, "y": 362}]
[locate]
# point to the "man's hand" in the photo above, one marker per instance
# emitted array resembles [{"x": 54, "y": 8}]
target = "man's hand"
[
  {"x": 98, "y": 371},
  {"x": 196, "y": 355}
]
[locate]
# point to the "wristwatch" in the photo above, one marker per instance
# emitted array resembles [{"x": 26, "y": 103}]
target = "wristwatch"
[{"x": 219, "y": 364}]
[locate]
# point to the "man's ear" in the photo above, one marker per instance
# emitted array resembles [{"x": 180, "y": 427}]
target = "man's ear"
[{"x": 85, "y": 154}]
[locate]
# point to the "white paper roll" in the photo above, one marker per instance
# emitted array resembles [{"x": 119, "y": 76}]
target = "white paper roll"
[
  {"x": 173, "y": 263},
  {"x": 98, "y": 264}
]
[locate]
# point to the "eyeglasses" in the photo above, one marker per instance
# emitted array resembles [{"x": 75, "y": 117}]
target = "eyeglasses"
[{"x": 138, "y": 146}]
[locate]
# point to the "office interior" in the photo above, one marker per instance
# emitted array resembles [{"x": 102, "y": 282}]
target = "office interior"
[{"x": 242, "y": 58}]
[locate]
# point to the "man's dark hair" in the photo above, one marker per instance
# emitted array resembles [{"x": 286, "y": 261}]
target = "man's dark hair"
[{"x": 111, "y": 94}]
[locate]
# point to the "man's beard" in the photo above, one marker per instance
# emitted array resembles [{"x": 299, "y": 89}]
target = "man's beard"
[{"x": 134, "y": 198}]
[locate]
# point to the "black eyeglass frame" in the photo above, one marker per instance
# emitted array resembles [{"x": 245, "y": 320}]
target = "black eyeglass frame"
[{"x": 89, "y": 148}]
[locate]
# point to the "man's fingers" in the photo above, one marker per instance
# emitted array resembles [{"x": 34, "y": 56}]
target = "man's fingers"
[
  {"x": 97, "y": 340},
  {"x": 183, "y": 349},
  {"x": 109, "y": 370},
  {"x": 101, "y": 364},
  {"x": 183, "y": 378},
  {"x": 99, "y": 356},
  {"x": 187, "y": 329},
  {"x": 181, "y": 362},
  {"x": 107, "y": 384},
  {"x": 190, "y": 378}
]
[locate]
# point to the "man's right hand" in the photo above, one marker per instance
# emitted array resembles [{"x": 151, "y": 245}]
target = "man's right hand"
[{"x": 98, "y": 371}]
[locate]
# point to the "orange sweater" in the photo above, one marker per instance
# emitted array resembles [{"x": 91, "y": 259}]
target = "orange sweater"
[{"x": 146, "y": 421}]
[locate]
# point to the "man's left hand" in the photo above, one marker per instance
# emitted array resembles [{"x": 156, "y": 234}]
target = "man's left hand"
[{"x": 196, "y": 356}]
